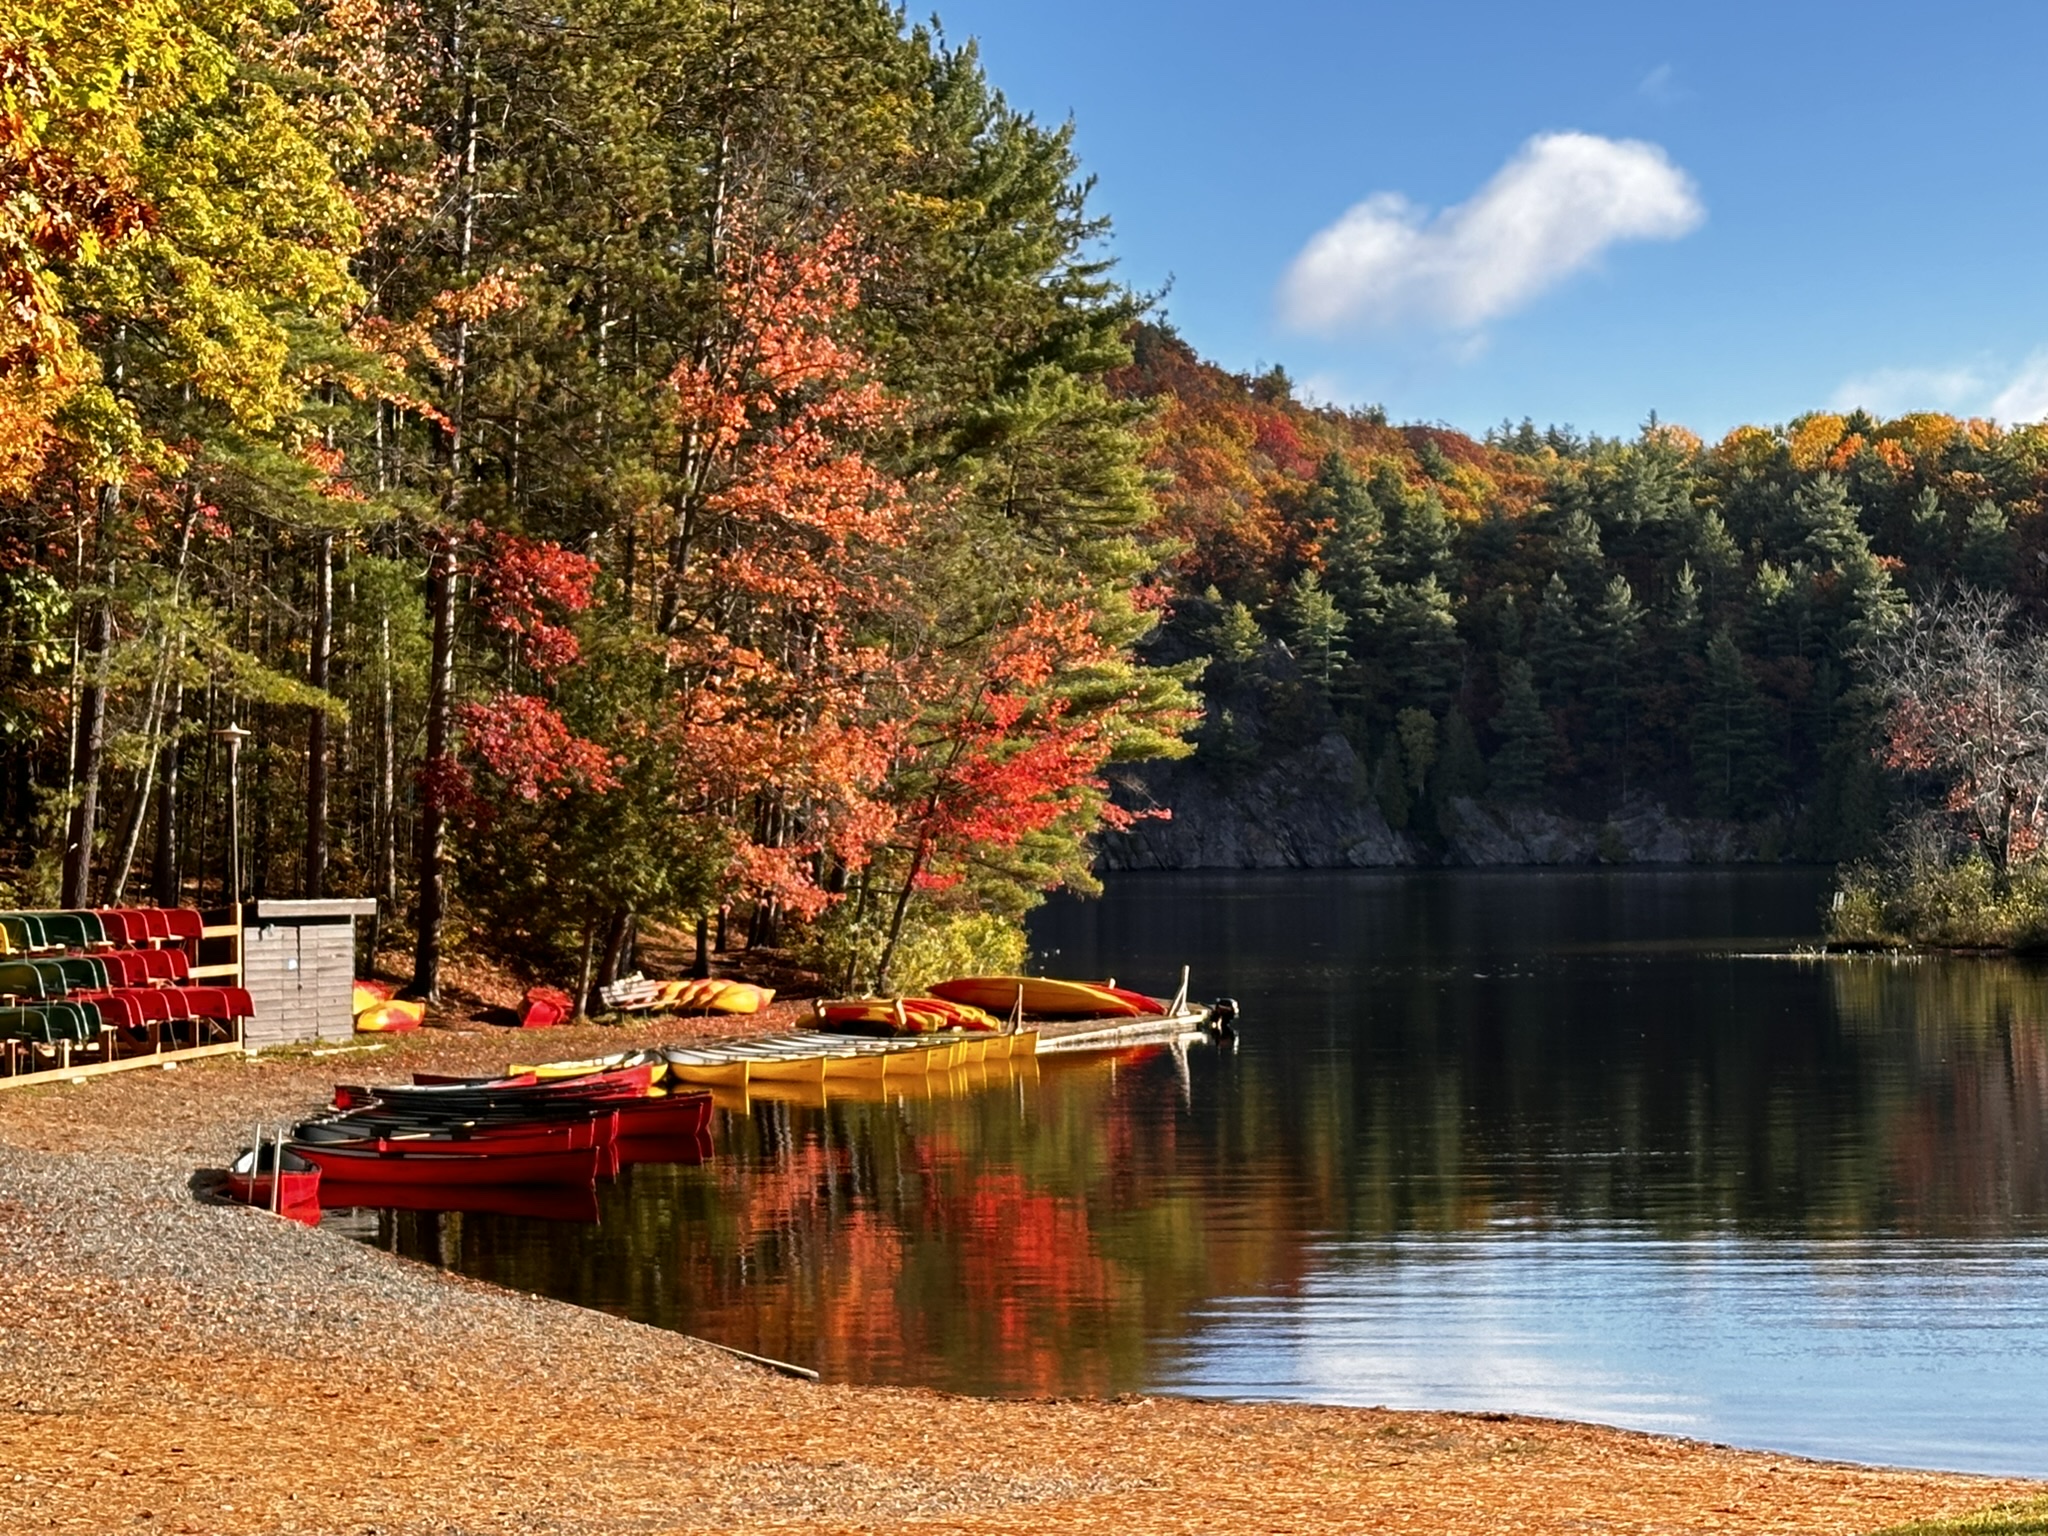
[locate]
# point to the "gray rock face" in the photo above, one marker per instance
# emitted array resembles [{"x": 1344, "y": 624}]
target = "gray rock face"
[
  {"x": 1311, "y": 811},
  {"x": 1642, "y": 832},
  {"x": 1308, "y": 811}
]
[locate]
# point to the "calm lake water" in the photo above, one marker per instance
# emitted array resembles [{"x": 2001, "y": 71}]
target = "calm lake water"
[{"x": 1589, "y": 1144}]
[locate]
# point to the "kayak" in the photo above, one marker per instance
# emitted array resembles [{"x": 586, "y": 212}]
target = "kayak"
[
  {"x": 360, "y": 1166},
  {"x": 1047, "y": 997},
  {"x": 902, "y": 1016}
]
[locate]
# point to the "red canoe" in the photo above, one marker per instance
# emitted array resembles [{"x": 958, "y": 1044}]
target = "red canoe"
[
  {"x": 439, "y": 1169},
  {"x": 300, "y": 1196},
  {"x": 623, "y": 1082},
  {"x": 598, "y": 1130},
  {"x": 550, "y": 1202},
  {"x": 690, "y": 1147},
  {"x": 677, "y": 1114}
]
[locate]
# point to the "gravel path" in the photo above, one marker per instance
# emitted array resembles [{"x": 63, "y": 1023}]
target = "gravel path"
[{"x": 167, "y": 1363}]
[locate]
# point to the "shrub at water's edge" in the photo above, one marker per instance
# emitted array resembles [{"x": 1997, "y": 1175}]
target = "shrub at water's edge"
[
  {"x": 1965, "y": 904},
  {"x": 1964, "y": 684},
  {"x": 2027, "y": 1519}
]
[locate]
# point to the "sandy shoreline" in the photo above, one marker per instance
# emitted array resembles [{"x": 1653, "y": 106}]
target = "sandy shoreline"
[{"x": 171, "y": 1365}]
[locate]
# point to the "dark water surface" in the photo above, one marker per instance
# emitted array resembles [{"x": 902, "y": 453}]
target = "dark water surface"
[{"x": 1589, "y": 1144}]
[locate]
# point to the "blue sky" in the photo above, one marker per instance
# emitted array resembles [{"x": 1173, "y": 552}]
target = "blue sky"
[{"x": 1581, "y": 212}]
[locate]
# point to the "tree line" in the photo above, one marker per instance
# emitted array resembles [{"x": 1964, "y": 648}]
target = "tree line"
[
  {"x": 689, "y": 461},
  {"x": 621, "y": 461},
  {"x": 1540, "y": 618}
]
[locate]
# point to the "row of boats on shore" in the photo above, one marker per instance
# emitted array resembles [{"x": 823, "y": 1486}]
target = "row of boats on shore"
[{"x": 555, "y": 1127}]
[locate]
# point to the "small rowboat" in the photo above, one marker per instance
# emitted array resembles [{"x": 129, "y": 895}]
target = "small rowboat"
[
  {"x": 451, "y": 1169},
  {"x": 250, "y": 1180}
]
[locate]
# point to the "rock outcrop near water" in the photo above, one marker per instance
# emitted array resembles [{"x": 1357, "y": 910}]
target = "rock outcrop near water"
[{"x": 1313, "y": 810}]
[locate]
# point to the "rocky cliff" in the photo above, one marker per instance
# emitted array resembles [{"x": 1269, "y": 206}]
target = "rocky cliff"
[{"x": 1312, "y": 810}]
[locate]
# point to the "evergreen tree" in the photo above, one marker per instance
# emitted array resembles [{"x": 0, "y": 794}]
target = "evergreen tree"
[
  {"x": 1988, "y": 548},
  {"x": 1460, "y": 771},
  {"x": 1521, "y": 766},
  {"x": 1736, "y": 772},
  {"x": 1318, "y": 628}
]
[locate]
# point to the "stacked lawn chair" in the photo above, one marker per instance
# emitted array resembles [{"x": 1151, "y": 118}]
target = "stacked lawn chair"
[{"x": 105, "y": 984}]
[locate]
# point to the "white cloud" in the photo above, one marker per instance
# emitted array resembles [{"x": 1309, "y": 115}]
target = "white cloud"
[
  {"x": 1549, "y": 212},
  {"x": 1890, "y": 392},
  {"x": 2025, "y": 396},
  {"x": 1965, "y": 389}
]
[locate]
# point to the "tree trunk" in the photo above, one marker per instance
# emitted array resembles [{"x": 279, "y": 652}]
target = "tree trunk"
[
  {"x": 432, "y": 906},
  {"x": 316, "y": 725},
  {"x": 433, "y": 831},
  {"x": 164, "y": 871},
  {"x": 896, "y": 917},
  {"x": 91, "y": 740},
  {"x": 616, "y": 934},
  {"x": 702, "y": 968}
]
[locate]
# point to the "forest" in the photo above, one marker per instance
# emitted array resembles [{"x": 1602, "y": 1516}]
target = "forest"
[
  {"x": 655, "y": 461},
  {"x": 1540, "y": 618}
]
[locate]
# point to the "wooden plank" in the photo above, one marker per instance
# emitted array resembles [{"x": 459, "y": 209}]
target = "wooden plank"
[
  {"x": 102, "y": 1068},
  {"x": 200, "y": 971},
  {"x": 224, "y": 931}
]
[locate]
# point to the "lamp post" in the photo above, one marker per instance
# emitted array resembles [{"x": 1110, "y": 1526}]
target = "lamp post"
[{"x": 233, "y": 735}]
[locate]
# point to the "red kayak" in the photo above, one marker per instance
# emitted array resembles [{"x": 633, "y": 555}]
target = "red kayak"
[
  {"x": 549, "y": 1202},
  {"x": 432, "y": 1169},
  {"x": 250, "y": 1181}
]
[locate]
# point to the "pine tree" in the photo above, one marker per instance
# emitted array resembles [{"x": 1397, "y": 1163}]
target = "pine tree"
[
  {"x": 1988, "y": 547},
  {"x": 1318, "y": 628},
  {"x": 1521, "y": 767},
  {"x": 1736, "y": 771}
]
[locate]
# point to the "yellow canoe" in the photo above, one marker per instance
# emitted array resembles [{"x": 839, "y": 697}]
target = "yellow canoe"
[
  {"x": 768, "y": 1068},
  {"x": 864, "y": 1065},
  {"x": 709, "y": 1071}
]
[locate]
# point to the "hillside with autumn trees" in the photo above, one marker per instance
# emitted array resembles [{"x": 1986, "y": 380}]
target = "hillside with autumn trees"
[
  {"x": 665, "y": 461},
  {"x": 1488, "y": 643}
]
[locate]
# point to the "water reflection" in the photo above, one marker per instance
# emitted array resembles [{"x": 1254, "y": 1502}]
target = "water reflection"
[{"x": 1591, "y": 1143}]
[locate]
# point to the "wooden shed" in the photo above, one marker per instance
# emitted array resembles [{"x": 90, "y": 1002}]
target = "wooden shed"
[{"x": 299, "y": 965}]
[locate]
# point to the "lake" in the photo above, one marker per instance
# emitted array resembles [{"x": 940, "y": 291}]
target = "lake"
[{"x": 1594, "y": 1144}]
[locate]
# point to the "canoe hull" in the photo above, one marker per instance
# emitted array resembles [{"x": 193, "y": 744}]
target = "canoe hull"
[{"x": 453, "y": 1170}]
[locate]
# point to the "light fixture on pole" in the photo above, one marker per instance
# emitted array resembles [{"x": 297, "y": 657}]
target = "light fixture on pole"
[{"x": 234, "y": 736}]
